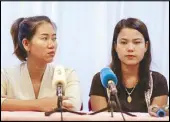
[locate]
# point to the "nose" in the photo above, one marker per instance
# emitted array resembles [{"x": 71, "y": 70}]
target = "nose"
[
  {"x": 130, "y": 47},
  {"x": 51, "y": 44}
]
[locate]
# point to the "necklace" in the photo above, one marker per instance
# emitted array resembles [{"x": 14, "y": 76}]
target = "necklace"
[{"x": 129, "y": 98}]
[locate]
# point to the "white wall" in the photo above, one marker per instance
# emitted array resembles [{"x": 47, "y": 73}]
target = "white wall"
[{"x": 85, "y": 31}]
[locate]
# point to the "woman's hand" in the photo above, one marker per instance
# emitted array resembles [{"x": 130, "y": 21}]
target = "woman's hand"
[
  {"x": 67, "y": 105},
  {"x": 50, "y": 103}
]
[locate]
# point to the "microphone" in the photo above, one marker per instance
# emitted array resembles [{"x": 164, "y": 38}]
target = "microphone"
[
  {"x": 58, "y": 83},
  {"x": 109, "y": 80},
  {"x": 59, "y": 79},
  {"x": 156, "y": 111},
  {"x": 166, "y": 109}
]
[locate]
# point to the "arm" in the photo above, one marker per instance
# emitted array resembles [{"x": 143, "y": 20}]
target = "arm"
[
  {"x": 19, "y": 105},
  {"x": 160, "y": 90},
  {"x": 72, "y": 90},
  {"x": 3, "y": 87},
  {"x": 97, "y": 94},
  {"x": 12, "y": 104},
  {"x": 8, "y": 104},
  {"x": 43, "y": 104},
  {"x": 160, "y": 100},
  {"x": 97, "y": 102}
]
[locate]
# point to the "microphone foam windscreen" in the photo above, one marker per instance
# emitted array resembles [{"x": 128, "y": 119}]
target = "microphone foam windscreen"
[
  {"x": 107, "y": 74},
  {"x": 59, "y": 77}
]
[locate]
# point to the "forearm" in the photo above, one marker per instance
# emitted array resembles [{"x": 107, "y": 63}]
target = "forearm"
[
  {"x": 160, "y": 100},
  {"x": 97, "y": 102},
  {"x": 76, "y": 103},
  {"x": 19, "y": 105},
  {"x": 73, "y": 90},
  {"x": 74, "y": 98}
]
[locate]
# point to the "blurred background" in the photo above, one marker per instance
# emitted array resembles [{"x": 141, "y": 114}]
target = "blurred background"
[{"x": 85, "y": 30}]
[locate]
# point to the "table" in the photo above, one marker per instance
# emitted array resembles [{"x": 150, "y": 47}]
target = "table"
[{"x": 39, "y": 116}]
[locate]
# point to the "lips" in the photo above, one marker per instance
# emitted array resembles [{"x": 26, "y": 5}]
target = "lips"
[
  {"x": 51, "y": 53},
  {"x": 130, "y": 56}
]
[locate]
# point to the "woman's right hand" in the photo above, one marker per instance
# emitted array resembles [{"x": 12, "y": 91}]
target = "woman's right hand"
[{"x": 50, "y": 103}]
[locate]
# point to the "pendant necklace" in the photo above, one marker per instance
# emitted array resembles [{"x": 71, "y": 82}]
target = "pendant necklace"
[{"x": 129, "y": 98}]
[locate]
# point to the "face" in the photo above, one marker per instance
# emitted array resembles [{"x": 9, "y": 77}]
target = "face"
[
  {"x": 43, "y": 44},
  {"x": 130, "y": 46}
]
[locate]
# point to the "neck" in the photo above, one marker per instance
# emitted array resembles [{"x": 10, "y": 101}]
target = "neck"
[
  {"x": 129, "y": 75},
  {"x": 36, "y": 69}
]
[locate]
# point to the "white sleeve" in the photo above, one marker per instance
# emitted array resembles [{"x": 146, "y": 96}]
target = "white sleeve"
[
  {"x": 3, "y": 86},
  {"x": 72, "y": 90}
]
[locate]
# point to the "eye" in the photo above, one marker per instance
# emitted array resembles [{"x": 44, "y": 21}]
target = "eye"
[
  {"x": 44, "y": 38},
  {"x": 123, "y": 42},
  {"x": 137, "y": 42},
  {"x": 54, "y": 39}
]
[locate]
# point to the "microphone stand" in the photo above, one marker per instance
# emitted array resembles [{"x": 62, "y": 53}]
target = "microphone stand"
[
  {"x": 118, "y": 102},
  {"x": 111, "y": 105},
  {"x": 59, "y": 103}
]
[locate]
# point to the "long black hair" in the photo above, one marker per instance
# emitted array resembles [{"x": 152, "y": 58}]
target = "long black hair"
[{"x": 144, "y": 66}]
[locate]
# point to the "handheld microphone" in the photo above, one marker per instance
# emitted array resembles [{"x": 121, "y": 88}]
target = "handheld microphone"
[
  {"x": 109, "y": 80},
  {"x": 156, "y": 111}
]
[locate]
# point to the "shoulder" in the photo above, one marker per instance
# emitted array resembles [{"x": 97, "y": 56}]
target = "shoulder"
[
  {"x": 156, "y": 74},
  {"x": 159, "y": 80},
  {"x": 96, "y": 79},
  {"x": 158, "y": 77},
  {"x": 160, "y": 86},
  {"x": 70, "y": 73},
  {"x": 61, "y": 67},
  {"x": 97, "y": 76},
  {"x": 97, "y": 87},
  {"x": 12, "y": 71},
  {"x": 67, "y": 70}
]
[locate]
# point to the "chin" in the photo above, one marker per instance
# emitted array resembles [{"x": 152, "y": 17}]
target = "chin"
[
  {"x": 132, "y": 63},
  {"x": 49, "y": 60}
]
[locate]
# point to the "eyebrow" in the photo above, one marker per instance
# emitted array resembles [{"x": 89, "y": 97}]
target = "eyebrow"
[
  {"x": 45, "y": 34},
  {"x": 133, "y": 39},
  {"x": 137, "y": 39},
  {"x": 123, "y": 39}
]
